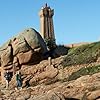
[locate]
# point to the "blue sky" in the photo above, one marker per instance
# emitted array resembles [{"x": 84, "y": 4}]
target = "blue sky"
[{"x": 74, "y": 20}]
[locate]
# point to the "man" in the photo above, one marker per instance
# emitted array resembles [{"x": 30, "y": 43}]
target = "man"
[{"x": 8, "y": 78}]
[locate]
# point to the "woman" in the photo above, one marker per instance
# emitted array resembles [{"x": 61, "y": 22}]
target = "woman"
[{"x": 19, "y": 80}]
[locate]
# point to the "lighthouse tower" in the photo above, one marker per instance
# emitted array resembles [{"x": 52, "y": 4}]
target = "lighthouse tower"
[{"x": 46, "y": 23}]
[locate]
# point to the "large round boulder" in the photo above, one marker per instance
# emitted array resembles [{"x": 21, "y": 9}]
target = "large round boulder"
[{"x": 27, "y": 47}]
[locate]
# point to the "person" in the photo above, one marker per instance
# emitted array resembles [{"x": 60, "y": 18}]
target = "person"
[
  {"x": 50, "y": 60},
  {"x": 27, "y": 84},
  {"x": 19, "y": 80},
  {"x": 8, "y": 78}
]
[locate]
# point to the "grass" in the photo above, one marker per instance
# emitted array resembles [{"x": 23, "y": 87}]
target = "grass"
[
  {"x": 82, "y": 55},
  {"x": 84, "y": 71}
]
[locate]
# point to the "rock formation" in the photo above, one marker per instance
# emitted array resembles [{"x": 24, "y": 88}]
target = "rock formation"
[
  {"x": 27, "y": 47},
  {"x": 48, "y": 83},
  {"x": 49, "y": 79}
]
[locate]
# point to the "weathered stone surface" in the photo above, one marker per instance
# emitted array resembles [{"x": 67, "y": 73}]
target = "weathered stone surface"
[
  {"x": 34, "y": 40},
  {"x": 55, "y": 96},
  {"x": 49, "y": 96},
  {"x": 84, "y": 88},
  {"x": 94, "y": 95},
  {"x": 24, "y": 95},
  {"x": 0, "y": 61},
  {"x": 25, "y": 57},
  {"x": 15, "y": 62},
  {"x": 19, "y": 45},
  {"x": 6, "y": 56},
  {"x": 49, "y": 82},
  {"x": 27, "y": 47},
  {"x": 37, "y": 74},
  {"x": 8, "y": 67}
]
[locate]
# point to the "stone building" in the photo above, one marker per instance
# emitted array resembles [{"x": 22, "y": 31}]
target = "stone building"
[{"x": 46, "y": 23}]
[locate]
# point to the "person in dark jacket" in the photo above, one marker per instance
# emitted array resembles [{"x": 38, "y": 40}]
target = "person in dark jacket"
[
  {"x": 19, "y": 80},
  {"x": 8, "y": 78}
]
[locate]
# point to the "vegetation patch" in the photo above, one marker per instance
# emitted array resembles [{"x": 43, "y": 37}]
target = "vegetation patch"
[
  {"x": 84, "y": 71},
  {"x": 82, "y": 55}
]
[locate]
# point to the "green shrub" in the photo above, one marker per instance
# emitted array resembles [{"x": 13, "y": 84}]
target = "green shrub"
[
  {"x": 50, "y": 43},
  {"x": 84, "y": 71},
  {"x": 82, "y": 55}
]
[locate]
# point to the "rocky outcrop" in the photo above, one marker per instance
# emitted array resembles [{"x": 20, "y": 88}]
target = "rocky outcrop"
[
  {"x": 84, "y": 88},
  {"x": 46, "y": 82},
  {"x": 37, "y": 74},
  {"x": 27, "y": 47},
  {"x": 6, "y": 56},
  {"x": 45, "y": 79}
]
